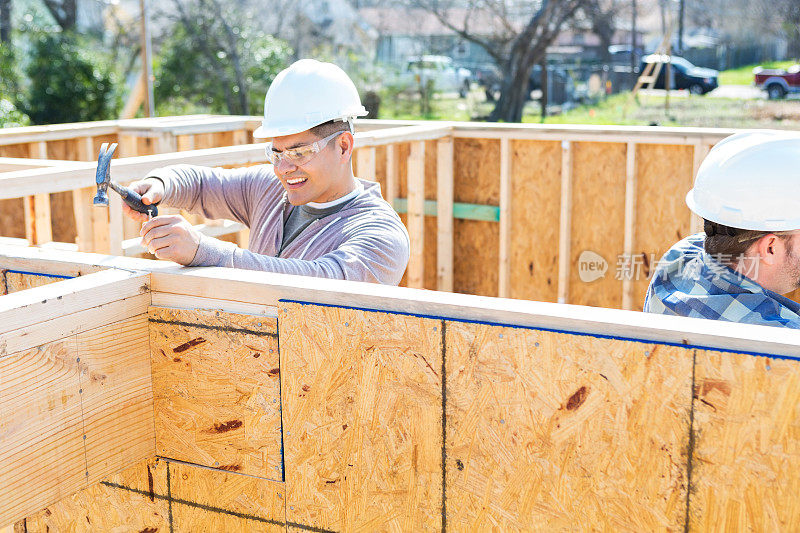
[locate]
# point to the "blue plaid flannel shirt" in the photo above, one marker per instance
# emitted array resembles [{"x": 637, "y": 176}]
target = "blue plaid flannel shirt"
[{"x": 690, "y": 282}]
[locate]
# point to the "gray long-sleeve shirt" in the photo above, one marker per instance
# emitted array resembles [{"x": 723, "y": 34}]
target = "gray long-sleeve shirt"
[{"x": 365, "y": 241}]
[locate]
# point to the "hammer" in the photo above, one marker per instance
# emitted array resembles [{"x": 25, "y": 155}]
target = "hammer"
[{"x": 103, "y": 180}]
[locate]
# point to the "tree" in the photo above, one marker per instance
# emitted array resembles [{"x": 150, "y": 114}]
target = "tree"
[
  {"x": 216, "y": 59},
  {"x": 65, "y": 12},
  {"x": 603, "y": 16},
  {"x": 66, "y": 84},
  {"x": 5, "y": 21},
  {"x": 514, "y": 48}
]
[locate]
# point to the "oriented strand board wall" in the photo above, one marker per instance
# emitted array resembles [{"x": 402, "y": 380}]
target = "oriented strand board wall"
[
  {"x": 362, "y": 418},
  {"x": 161, "y": 495},
  {"x": 550, "y": 431},
  {"x": 476, "y": 175},
  {"x": 663, "y": 177},
  {"x": 216, "y": 382},
  {"x": 535, "y": 213},
  {"x": 598, "y": 219},
  {"x": 12, "y": 281},
  {"x": 746, "y": 474},
  {"x": 72, "y": 411}
]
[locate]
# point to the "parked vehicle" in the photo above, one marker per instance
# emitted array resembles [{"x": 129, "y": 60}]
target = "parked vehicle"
[
  {"x": 440, "y": 70},
  {"x": 697, "y": 80},
  {"x": 778, "y": 82}
]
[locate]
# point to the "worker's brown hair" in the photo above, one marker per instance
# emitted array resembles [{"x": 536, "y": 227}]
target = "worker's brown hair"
[
  {"x": 330, "y": 127},
  {"x": 730, "y": 244}
]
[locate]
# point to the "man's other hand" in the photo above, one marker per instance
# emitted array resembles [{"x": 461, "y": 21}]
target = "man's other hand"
[
  {"x": 151, "y": 191},
  {"x": 171, "y": 237}
]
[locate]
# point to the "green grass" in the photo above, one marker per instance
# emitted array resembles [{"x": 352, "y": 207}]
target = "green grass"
[
  {"x": 744, "y": 75},
  {"x": 619, "y": 109}
]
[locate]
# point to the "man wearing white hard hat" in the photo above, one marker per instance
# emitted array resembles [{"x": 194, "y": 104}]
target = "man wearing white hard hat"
[
  {"x": 748, "y": 192},
  {"x": 308, "y": 215}
]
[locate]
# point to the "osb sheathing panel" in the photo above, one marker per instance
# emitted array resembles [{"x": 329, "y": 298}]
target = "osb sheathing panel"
[
  {"x": 550, "y": 431},
  {"x": 535, "y": 213},
  {"x": 598, "y": 219},
  {"x": 132, "y": 500},
  {"x": 476, "y": 255},
  {"x": 61, "y": 207},
  {"x": 663, "y": 177},
  {"x": 217, "y": 390},
  {"x": 747, "y": 444},
  {"x": 224, "y": 501},
  {"x": 11, "y": 281},
  {"x": 362, "y": 418},
  {"x": 12, "y": 218},
  {"x": 161, "y": 495},
  {"x": 145, "y": 146},
  {"x": 431, "y": 247},
  {"x": 72, "y": 411},
  {"x": 476, "y": 170}
]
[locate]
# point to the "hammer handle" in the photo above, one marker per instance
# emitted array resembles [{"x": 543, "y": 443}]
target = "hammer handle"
[{"x": 134, "y": 201}]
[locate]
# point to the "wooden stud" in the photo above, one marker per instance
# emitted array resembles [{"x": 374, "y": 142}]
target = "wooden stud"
[
  {"x": 564, "y": 235},
  {"x": 504, "y": 284},
  {"x": 166, "y": 143},
  {"x": 185, "y": 143},
  {"x": 391, "y": 174},
  {"x": 128, "y": 146},
  {"x": 630, "y": 228},
  {"x": 241, "y": 137},
  {"x": 444, "y": 213},
  {"x": 116, "y": 224},
  {"x": 416, "y": 214},
  {"x": 366, "y": 163},
  {"x": 38, "y": 223},
  {"x": 700, "y": 152}
]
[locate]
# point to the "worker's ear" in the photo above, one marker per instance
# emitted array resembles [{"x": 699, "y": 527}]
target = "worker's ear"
[
  {"x": 770, "y": 248},
  {"x": 345, "y": 144}
]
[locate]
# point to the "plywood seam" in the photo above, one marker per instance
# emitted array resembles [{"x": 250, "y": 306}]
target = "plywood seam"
[
  {"x": 443, "y": 342},
  {"x": 169, "y": 500},
  {"x": 552, "y": 330},
  {"x": 210, "y": 508},
  {"x": 215, "y": 328},
  {"x": 205, "y": 467},
  {"x": 690, "y": 445}
]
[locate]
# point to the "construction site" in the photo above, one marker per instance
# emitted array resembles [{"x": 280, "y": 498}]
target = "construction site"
[{"x": 511, "y": 383}]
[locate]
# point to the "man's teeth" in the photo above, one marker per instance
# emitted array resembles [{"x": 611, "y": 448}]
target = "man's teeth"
[{"x": 294, "y": 181}]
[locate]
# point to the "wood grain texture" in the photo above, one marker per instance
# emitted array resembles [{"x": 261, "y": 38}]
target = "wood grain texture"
[
  {"x": 225, "y": 501},
  {"x": 747, "y": 444},
  {"x": 140, "y": 506},
  {"x": 663, "y": 177},
  {"x": 71, "y": 413},
  {"x": 535, "y": 206},
  {"x": 598, "y": 219},
  {"x": 216, "y": 381},
  {"x": 476, "y": 253},
  {"x": 362, "y": 418},
  {"x": 552, "y": 432}
]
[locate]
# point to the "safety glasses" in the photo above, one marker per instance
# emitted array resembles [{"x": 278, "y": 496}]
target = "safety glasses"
[{"x": 299, "y": 155}]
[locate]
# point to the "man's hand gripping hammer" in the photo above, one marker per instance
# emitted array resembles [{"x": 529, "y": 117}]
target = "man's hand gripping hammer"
[{"x": 103, "y": 179}]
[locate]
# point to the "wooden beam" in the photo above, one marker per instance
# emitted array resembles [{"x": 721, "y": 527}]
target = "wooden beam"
[
  {"x": 416, "y": 214},
  {"x": 700, "y": 153},
  {"x": 565, "y": 225},
  {"x": 504, "y": 268},
  {"x": 366, "y": 163},
  {"x": 630, "y": 226},
  {"x": 115, "y": 224},
  {"x": 444, "y": 213},
  {"x": 40, "y": 304},
  {"x": 391, "y": 174}
]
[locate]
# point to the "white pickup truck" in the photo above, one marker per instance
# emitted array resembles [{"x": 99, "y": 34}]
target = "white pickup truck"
[{"x": 446, "y": 77}]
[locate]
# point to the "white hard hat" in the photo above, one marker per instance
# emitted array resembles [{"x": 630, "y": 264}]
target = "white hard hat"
[
  {"x": 307, "y": 94},
  {"x": 750, "y": 181}
]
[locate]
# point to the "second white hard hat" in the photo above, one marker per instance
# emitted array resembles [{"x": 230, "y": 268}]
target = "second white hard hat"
[
  {"x": 750, "y": 181},
  {"x": 307, "y": 94}
]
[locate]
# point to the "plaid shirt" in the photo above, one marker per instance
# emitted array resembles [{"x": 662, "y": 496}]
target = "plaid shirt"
[{"x": 690, "y": 282}]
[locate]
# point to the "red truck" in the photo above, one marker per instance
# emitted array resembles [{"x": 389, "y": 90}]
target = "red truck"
[{"x": 778, "y": 82}]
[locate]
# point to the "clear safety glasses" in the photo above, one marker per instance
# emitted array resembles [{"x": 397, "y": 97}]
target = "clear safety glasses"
[{"x": 300, "y": 155}]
